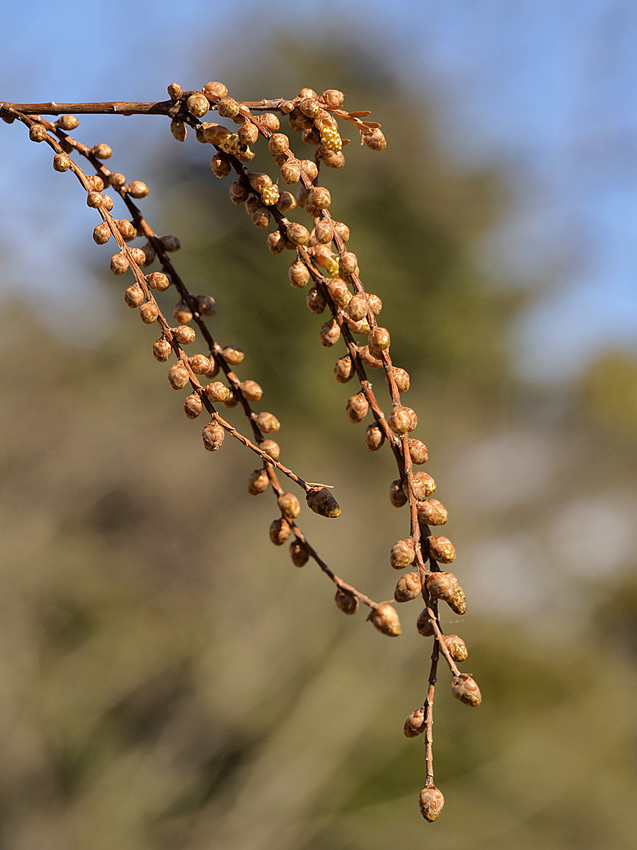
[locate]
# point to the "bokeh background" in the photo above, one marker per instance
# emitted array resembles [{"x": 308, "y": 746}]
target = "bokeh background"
[{"x": 167, "y": 678}]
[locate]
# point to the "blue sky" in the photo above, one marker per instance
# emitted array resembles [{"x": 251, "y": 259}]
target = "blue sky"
[{"x": 546, "y": 88}]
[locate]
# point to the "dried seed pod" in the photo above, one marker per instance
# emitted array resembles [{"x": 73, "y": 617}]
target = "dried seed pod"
[
  {"x": 431, "y": 803},
  {"x": 198, "y": 105},
  {"x": 321, "y": 501},
  {"x": 402, "y": 420},
  {"x": 161, "y": 349},
  {"x": 232, "y": 354},
  {"x": 271, "y": 448},
  {"x": 441, "y": 549},
  {"x": 357, "y": 407},
  {"x": 346, "y": 601},
  {"x": 432, "y": 512},
  {"x": 206, "y": 305},
  {"x": 299, "y": 553},
  {"x": 403, "y": 553},
  {"x": 374, "y": 437},
  {"x": 158, "y": 281},
  {"x": 385, "y": 618},
  {"x": 417, "y": 451},
  {"x": 149, "y": 312},
  {"x": 375, "y": 140},
  {"x": 200, "y": 364},
  {"x": 101, "y": 234},
  {"x": 178, "y": 129},
  {"x": 408, "y": 587},
  {"x": 182, "y": 313},
  {"x": 213, "y": 436},
  {"x": 258, "y": 482},
  {"x": 251, "y": 390},
  {"x": 183, "y": 334},
  {"x": 457, "y": 648},
  {"x": 298, "y": 274},
  {"x": 315, "y": 301},
  {"x": 137, "y": 189},
  {"x": 178, "y": 376},
  {"x": 193, "y": 405},
  {"x": 291, "y": 171},
  {"x": 134, "y": 295},
  {"x": 466, "y": 690},
  {"x": 424, "y": 486},
  {"x": 330, "y": 333},
  {"x": 279, "y": 531},
  {"x": 289, "y": 505},
  {"x": 424, "y": 624},
  {"x": 415, "y": 723},
  {"x": 267, "y": 423},
  {"x": 396, "y": 494},
  {"x": 61, "y": 162},
  {"x": 344, "y": 369},
  {"x": 217, "y": 391}
]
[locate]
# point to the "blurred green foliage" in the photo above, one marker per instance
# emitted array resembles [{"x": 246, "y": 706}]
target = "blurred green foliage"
[{"x": 169, "y": 680}]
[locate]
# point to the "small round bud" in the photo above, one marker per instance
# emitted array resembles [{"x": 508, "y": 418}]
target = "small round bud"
[
  {"x": 375, "y": 140},
  {"x": 178, "y": 129},
  {"x": 378, "y": 340},
  {"x": 374, "y": 437},
  {"x": 346, "y": 601},
  {"x": 95, "y": 182},
  {"x": 101, "y": 234},
  {"x": 289, "y": 505},
  {"x": 403, "y": 553},
  {"x": 319, "y": 198},
  {"x": 258, "y": 482},
  {"x": 137, "y": 189},
  {"x": 193, "y": 405},
  {"x": 232, "y": 354},
  {"x": 299, "y": 553},
  {"x": 424, "y": 486},
  {"x": 259, "y": 181},
  {"x": 200, "y": 364},
  {"x": 279, "y": 531},
  {"x": 333, "y": 98},
  {"x": 138, "y": 256},
  {"x": 415, "y": 723},
  {"x": 198, "y": 105},
  {"x": 182, "y": 313},
  {"x": 431, "y": 803},
  {"x": 385, "y": 618},
  {"x": 357, "y": 407},
  {"x": 158, "y": 281},
  {"x": 408, "y": 587},
  {"x": 239, "y": 193},
  {"x": 310, "y": 168},
  {"x": 321, "y": 501},
  {"x": 271, "y": 448},
  {"x": 330, "y": 333},
  {"x": 441, "y": 549},
  {"x": 362, "y": 328},
  {"x": 184, "y": 334},
  {"x": 175, "y": 91},
  {"x": 417, "y": 451},
  {"x": 338, "y": 292},
  {"x": 170, "y": 242},
  {"x": 61, "y": 162},
  {"x": 298, "y": 274},
  {"x": 466, "y": 690},
  {"x": 149, "y": 312},
  {"x": 267, "y": 423},
  {"x": 291, "y": 171},
  {"x": 432, "y": 512},
  {"x": 178, "y": 376},
  {"x": 220, "y": 164},
  {"x": 424, "y": 624},
  {"x": 117, "y": 180},
  {"x": 344, "y": 370},
  {"x": 206, "y": 305},
  {"x": 134, "y": 295},
  {"x": 396, "y": 494},
  {"x": 457, "y": 648},
  {"x": 213, "y": 436},
  {"x": 251, "y": 390},
  {"x": 161, "y": 349},
  {"x": 332, "y": 158},
  {"x": 37, "y": 132},
  {"x": 310, "y": 107},
  {"x": 444, "y": 585},
  {"x": 357, "y": 307},
  {"x": 101, "y": 151},
  {"x": 261, "y": 218},
  {"x": 248, "y": 133},
  {"x": 402, "y": 420},
  {"x": 95, "y": 200},
  {"x": 217, "y": 391},
  {"x": 269, "y": 121},
  {"x": 214, "y": 91},
  {"x": 68, "y": 122},
  {"x": 278, "y": 143},
  {"x": 276, "y": 242},
  {"x": 348, "y": 263},
  {"x": 297, "y": 234},
  {"x": 315, "y": 301}
]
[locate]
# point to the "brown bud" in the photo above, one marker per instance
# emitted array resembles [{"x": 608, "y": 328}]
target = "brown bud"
[
  {"x": 138, "y": 256},
  {"x": 457, "y": 648},
  {"x": 95, "y": 182},
  {"x": 458, "y": 602},
  {"x": 357, "y": 307},
  {"x": 137, "y": 189},
  {"x": 424, "y": 624},
  {"x": 347, "y": 263},
  {"x": 182, "y": 313},
  {"x": 402, "y": 420},
  {"x": 357, "y": 407},
  {"x": 239, "y": 193},
  {"x": 251, "y": 390},
  {"x": 385, "y": 618},
  {"x": 161, "y": 350},
  {"x": 321, "y": 501},
  {"x": 158, "y": 280},
  {"x": 310, "y": 168},
  {"x": 338, "y": 292},
  {"x": 126, "y": 228},
  {"x": 375, "y": 140},
  {"x": 206, "y": 305},
  {"x": 319, "y": 198},
  {"x": 134, "y": 295},
  {"x": 232, "y": 354},
  {"x": 117, "y": 180},
  {"x": 37, "y": 132},
  {"x": 213, "y": 435},
  {"x": 270, "y": 121},
  {"x": 289, "y": 505},
  {"x": 297, "y": 234},
  {"x": 214, "y": 91},
  {"x": 403, "y": 553},
  {"x": 441, "y": 549},
  {"x": 178, "y": 376},
  {"x": 183, "y": 334},
  {"x": 220, "y": 164},
  {"x": 200, "y": 364},
  {"x": 374, "y": 437},
  {"x": 333, "y": 98},
  {"x": 415, "y": 723},
  {"x": 330, "y": 333},
  {"x": 442, "y": 585},
  {"x": 367, "y": 357},
  {"x": 315, "y": 301},
  {"x": 291, "y": 171},
  {"x": 400, "y": 378},
  {"x": 396, "y": 494},
  {"x": 466, "y": 690},
  {"x": 102, "y": 151},
  {"x": 408, "y": 587},
  {"x": 193, "y": 405},
  {"x": 175, "y": 91},
  {"x": 378, "y": 340},
  {"x": 248, "y": 133},
  {"x": 431, "y": 800},
  {"x": 216, "y": 391},
  {"x": 432, "y": 512},
  {"x": 346, "y": 601},
  {"x": 258, "y": 482},
  {"x": 178, "y": 129},
  {"x": 61, "y": 162},
  {"x": 298, "y": 274},
  {"x": 101, "y": 234},
  {"x": 149, "y": 312},
  {"x": 267, "y": 422},
  {"x": 299, "y": 553},
  {"x": 170, "y": 242},
  {"x": 198, "y": 105},
  {"x": 424, "y": 485},
  {"x": 417, "y": 451},
  {"x": 68, "y": 122},
  {"x": 279, "y": 531},
  {"x": 271, "y": 448},
  {"x": 276, "y": 242}
]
